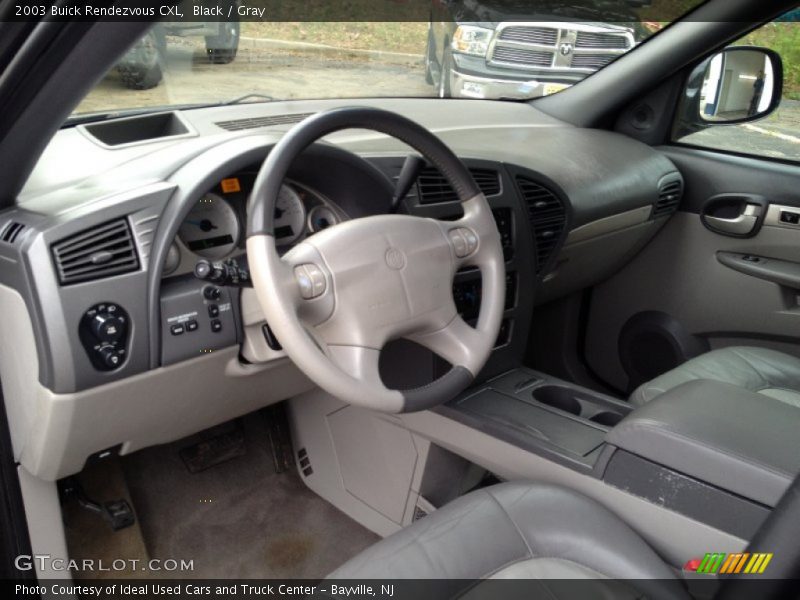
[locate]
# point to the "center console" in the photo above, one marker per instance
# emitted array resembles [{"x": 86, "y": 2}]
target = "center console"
[{"x": 715, "y": 453}]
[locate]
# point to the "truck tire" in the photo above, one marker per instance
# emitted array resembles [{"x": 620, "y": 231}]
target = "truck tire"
[
  {"x": 430, "y": 57},
  {"x": 444, "y": 76},
  {"x": 222, "y": 48},
  {"x": 141, "y": 67}
]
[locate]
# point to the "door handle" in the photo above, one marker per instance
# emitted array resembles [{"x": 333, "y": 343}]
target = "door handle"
[
  {"x": 735, "y": 215},
  {"x": 741, "y": 225}
]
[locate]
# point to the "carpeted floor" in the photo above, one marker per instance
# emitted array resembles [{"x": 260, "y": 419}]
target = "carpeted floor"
[{"x": 238, "y": 519}]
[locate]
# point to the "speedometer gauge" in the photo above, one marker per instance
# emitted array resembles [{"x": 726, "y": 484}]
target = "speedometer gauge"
[
  {"x": 290, "y": 216},
  {"x": 211, "y": 229}
]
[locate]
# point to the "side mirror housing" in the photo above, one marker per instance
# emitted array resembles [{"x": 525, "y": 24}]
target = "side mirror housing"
[{"x": 737, "y": 85}]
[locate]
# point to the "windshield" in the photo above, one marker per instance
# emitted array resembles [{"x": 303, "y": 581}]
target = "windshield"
[{"x": 495, "y": 49}]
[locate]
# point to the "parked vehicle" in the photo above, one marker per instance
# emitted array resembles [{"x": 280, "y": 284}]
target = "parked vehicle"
[
  {"x": 480, "y": 50},
  {"x": 141, "y": 68}
]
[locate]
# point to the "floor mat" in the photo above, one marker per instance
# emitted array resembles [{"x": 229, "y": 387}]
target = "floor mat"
[{"x": 238, "y": 519}]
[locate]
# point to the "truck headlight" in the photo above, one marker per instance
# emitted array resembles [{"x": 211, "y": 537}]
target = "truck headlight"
[{"x": 470, "y": 39}]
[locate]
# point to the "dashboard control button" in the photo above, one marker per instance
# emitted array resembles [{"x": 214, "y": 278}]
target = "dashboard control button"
[
  {"x": 110, "y": 357},
  {"x": 177, "y": 329},
  {"x": 216, "y": 325},
  {"x": 212, "y": 292},
  {"x": 191, "y": 325},
  {"x": 106, "y": 327},
  {"x": 213, "y": 311}
]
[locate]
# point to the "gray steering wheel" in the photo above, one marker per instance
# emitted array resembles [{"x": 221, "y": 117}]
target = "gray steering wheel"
[{"x": 334, "y": 300}]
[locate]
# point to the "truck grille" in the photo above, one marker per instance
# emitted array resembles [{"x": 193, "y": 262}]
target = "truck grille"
[
  {"x": 587, "y": 39},
  {"x": 577, "y": 47},
  {"x": 591, "y": 61},
  {"x": 546, "y": 36},
  {"x": 531, "y": 58}
]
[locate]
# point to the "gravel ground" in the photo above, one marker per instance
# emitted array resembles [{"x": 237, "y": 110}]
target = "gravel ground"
[{"x": 285, "y": 74}]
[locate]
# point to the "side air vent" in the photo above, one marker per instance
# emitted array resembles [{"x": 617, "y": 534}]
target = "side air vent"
[
  {"x": 669, "y": 197},
  {"x": 99, "y": 252},
  {"x": 11, "y": 232},
  {"x": 548, "y": 218},
  {"x": 434, "y": 188},
  {"x": 256, "y": 122}
]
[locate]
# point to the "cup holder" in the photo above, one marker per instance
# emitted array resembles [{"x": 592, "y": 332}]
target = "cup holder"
[
  {"x": 606, "y": 418},
  {"x": 558, "y": 397}
]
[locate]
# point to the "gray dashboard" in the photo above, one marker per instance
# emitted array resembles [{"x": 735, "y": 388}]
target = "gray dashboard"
[{"x": 576, "y": 177}]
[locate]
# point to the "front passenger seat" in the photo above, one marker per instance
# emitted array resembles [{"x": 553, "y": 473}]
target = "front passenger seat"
[
  {"x": 537, "y": 532},
  {"x": 766, "y": 372}
]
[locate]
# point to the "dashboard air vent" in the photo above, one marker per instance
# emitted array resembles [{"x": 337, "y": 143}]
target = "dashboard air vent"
[
  {"x": 548, "y": 219},
  {"x": 434, "y": 188},
  {"x": 669, "y": 197},
  {"x": 256, "y": 122},
  {"x": 102, "y": 251},
  {"x": 11, "y": 232}
]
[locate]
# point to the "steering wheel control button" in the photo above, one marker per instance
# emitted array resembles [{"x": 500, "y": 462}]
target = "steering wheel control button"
[
  {"x": 216, "y": 325},
  {"x": 464, "y": 241},
  {"x": 177, "y": 329},
  {"x": 311, "y": 280}
]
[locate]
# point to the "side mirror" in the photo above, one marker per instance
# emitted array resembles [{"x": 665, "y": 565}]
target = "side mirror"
[{"x": 737, "y": 85}]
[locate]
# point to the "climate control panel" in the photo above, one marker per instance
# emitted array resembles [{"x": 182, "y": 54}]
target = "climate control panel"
[{"x": 103, "y": 331}]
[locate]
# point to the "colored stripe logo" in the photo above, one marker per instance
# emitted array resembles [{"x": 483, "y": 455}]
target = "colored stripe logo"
[{"x": 728, "y": 564}]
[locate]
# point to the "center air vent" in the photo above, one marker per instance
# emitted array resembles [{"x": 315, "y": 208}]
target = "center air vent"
[
  {"x": 96, "y": 253},
  {"x": 256, "y": 122},
  {"x": 669, "y": 197},
  {"x": 434, "y": 188},
  {"x": 11, "y": 232},
  {"x": 548, "y": 219}
]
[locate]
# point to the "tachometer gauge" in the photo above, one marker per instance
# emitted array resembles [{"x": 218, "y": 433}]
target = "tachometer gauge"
[
  {"x": 211, "y": 229},
  {"x": 321, "y": 217},
  {"x": 290, "y": 216}
]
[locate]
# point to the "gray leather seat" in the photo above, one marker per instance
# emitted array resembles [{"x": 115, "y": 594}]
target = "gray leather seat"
[
  {"x": 766, "y": 372},
  {"x": 520, "y": 530}
]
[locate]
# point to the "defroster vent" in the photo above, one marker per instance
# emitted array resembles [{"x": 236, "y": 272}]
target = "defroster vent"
[
  {"x": 548, "y": 218},
  {"x": 96, "y": 253}
]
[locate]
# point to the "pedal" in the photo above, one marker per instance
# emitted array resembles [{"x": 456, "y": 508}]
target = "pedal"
[
  {"x": 215, "y": 450},
  {"x": 118, "y": 513},
  {"x": 280, "y": 440}
]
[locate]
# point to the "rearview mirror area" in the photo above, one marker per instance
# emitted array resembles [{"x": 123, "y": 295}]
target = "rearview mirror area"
[{"x": 739, "y": 85}]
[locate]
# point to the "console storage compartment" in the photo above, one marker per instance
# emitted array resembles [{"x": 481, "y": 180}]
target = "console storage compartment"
[{"x": 543, "y": 414}]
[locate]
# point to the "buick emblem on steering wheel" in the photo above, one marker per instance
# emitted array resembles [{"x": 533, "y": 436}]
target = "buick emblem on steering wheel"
[
  {"x": 565, "y": 49},
  {"x": 395, "y": 259}
]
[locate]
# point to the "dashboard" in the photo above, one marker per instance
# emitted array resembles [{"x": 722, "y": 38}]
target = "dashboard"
[{"x": 112, "y": 326}]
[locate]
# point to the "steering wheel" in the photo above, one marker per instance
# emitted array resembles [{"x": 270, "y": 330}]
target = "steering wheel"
[{"x": 334, "y": 300}]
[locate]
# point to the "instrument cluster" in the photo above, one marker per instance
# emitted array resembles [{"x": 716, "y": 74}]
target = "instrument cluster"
[{"x": 215, "y": 227}]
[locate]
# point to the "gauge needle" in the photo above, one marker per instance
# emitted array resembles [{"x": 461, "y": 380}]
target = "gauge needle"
[
  {"x": 203, "y": 224},
  {"x": 278, "y": 213}
]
